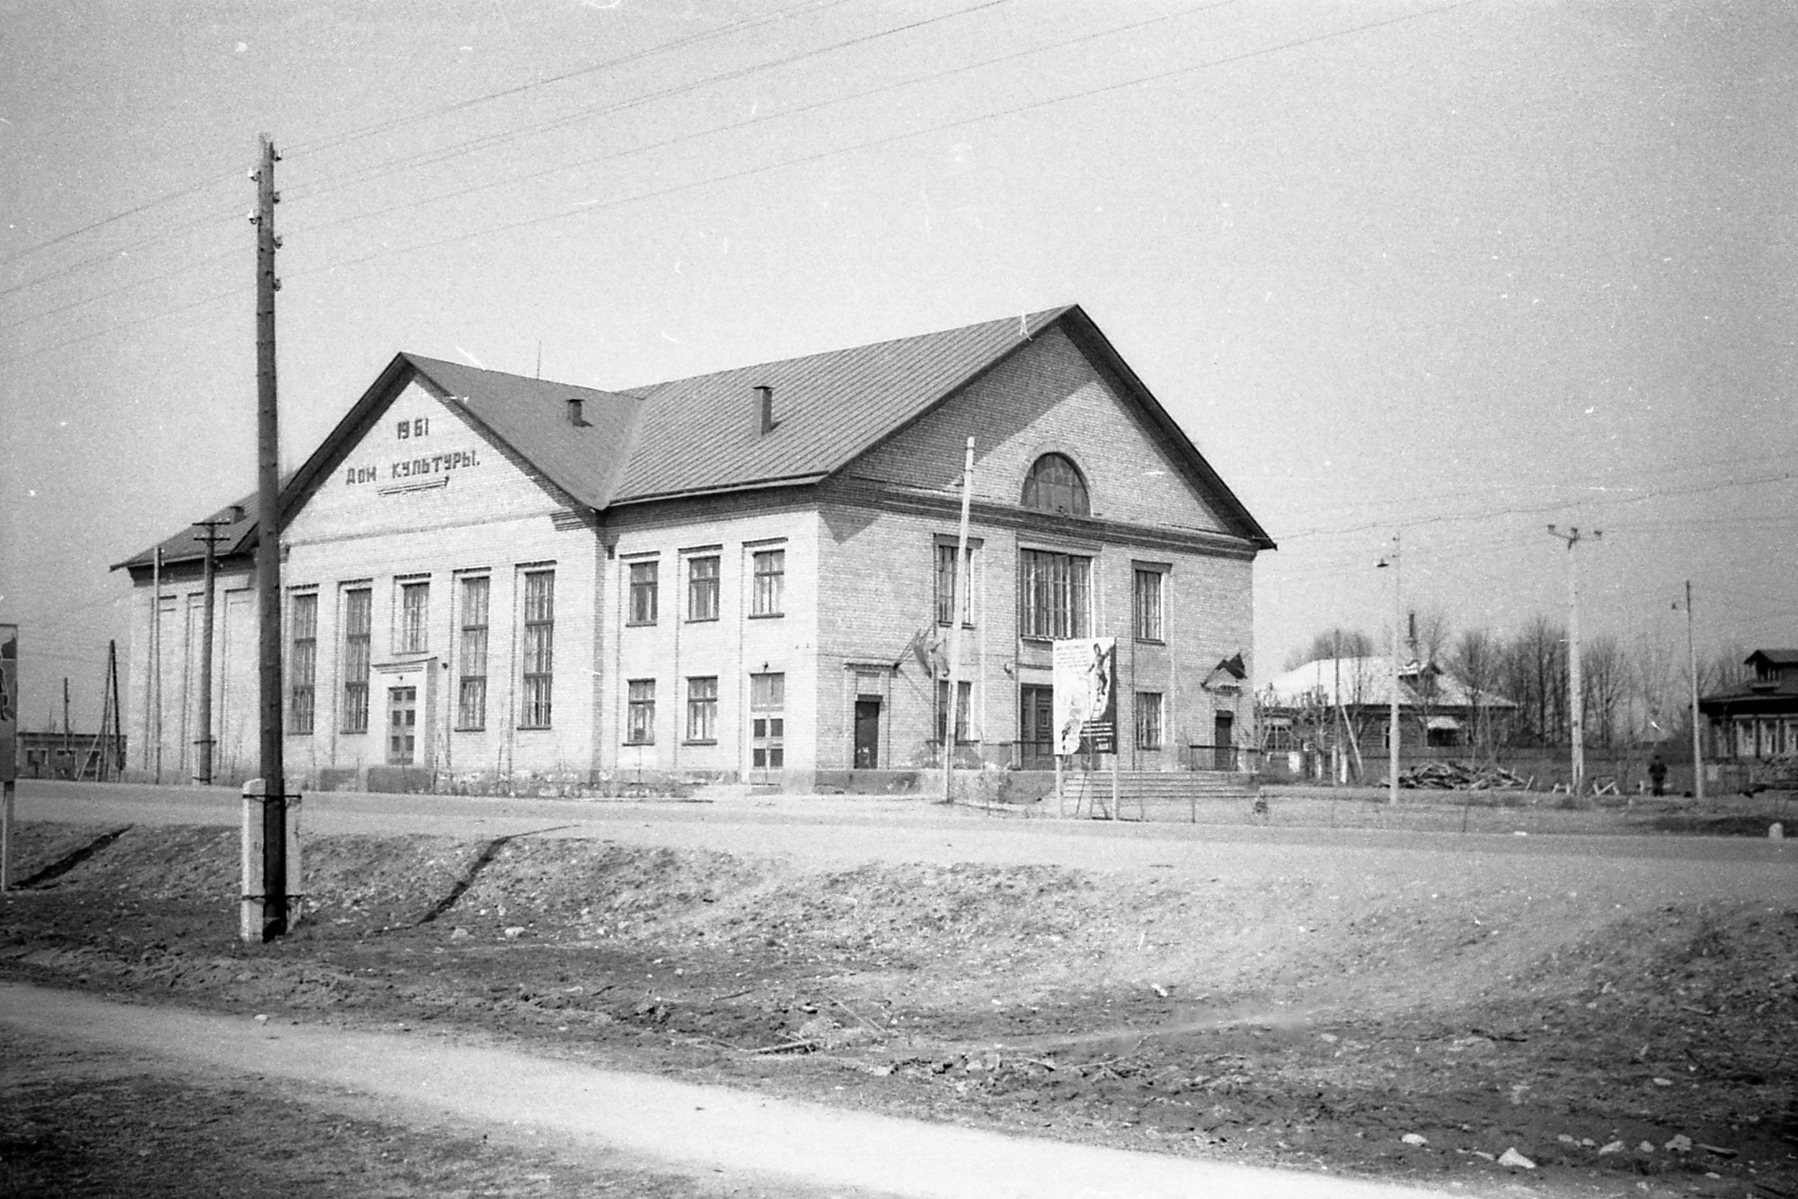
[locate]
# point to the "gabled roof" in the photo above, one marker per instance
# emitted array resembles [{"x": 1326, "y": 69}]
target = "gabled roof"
[
  {"x": 702, "y": 435},
  {"x": 236, "y": 535},
  {"x": 1773, "y": 657}
]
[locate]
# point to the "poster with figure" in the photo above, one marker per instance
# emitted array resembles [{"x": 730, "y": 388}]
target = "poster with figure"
[
  {"x": 1085, "y": 684},
  {"x": 9, "y": 701}
]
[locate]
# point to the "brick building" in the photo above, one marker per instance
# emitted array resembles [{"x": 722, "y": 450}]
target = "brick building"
[{"x": 493, "y": 580}]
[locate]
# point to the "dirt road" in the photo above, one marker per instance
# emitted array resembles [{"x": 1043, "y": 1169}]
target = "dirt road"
[{"x": 739, "y": 1137}]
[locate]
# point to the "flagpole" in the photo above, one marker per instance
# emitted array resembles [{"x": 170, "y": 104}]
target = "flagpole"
[{"x": 962, "y": 584}]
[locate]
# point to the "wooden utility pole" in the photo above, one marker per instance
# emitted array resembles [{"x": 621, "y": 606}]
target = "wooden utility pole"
[
  {"x": 1692, "y": 668},
  {"x": 1576, "y": 716},
  {"x": 962, "y": 591},
  {"x": 203, "y": 769},
  {"x": 268, "y": 557}
]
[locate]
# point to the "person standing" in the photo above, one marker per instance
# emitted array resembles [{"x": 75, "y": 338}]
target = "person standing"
[{"x": 1657, "y": 772}]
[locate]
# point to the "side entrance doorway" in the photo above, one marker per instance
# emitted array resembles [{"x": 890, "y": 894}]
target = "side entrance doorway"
[
  {"x": 402, "y": 725},
  {"x": 1223, "y": 748},
  {"x": 867, "y": 734}
]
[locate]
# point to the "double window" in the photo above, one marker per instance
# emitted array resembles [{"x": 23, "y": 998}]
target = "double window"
[
  {"x": 1054, "y": 598},
  {"x": 643, "y": 593},
  {"x": 1148, "y": 596},
  {"x": 946, "y": 578},
  {"x": 964, "y": 692},
  {"x": 358, "y": 611},
  {"x": 302, "y": 662},
  {"x": 415, "y": 607},
  {"x": 471, "y": 655},
  {"x": 702, "y": 588},
  {"x": 702, "y": 708},
  {"x": 640, "y": 712},
  {"x": 539, "y": 648},
  {"x": 770, "y": 574},
  {"x": 1148, "y": 720}
]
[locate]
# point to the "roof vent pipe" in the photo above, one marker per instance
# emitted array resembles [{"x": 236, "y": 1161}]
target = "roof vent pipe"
[
  {"x": 764, "y": 407},
  {"x": 574, "y": 411}
]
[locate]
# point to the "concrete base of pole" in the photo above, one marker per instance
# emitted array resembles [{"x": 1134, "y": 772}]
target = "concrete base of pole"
[{"x": 252, "y": 913}]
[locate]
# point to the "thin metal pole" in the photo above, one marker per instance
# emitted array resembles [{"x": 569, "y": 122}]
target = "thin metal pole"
[
  {"x": 203, "y": 768},
  {"x": 962, "y": 586},
  {"x": 268, "y": 557},
  {"x": 1398, "y": 620}
]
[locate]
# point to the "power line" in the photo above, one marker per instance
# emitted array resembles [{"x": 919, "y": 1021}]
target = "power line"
[
  {"x": 748, "y": 172},
  {"x": 913, "y": 81}
]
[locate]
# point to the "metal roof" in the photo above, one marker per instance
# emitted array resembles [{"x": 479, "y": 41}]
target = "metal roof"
[{"x": 703, "y": 435}]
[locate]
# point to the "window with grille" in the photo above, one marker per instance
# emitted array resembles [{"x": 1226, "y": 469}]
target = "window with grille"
[
  {"x": 1054, "y": 484},
  {"x": 1053, "y": 595},
  {"x": 1148, "y": 605},
  {"x": 702, "y": 708},
  {"x": 539, "y": 648},
  {"x": 471, "y": 655},
  {"x": 767, "y": 723},
  {"x": 1148, "y": 720},
  {"x": 358, "y": 612},
  {"x": 415, "y": 605},
  {"x": 770, "y": 583},
  {"x": 643, "y": 592},
  {"x": 302, "y": 663},
  {"x": 640, "y": 712},
  {"x": 702, "y": 588}
]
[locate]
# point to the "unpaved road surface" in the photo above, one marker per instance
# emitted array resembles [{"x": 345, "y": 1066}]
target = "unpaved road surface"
[
  {"x": 738, "y": 1138},
  {"x": 1621, "y": 1011}
]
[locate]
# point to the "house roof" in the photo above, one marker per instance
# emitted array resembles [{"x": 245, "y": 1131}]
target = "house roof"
[
  {"x": 1368, "y": 681},
  {"x": 1774, "y": 657},
  {"x": 702, "y": 435}
]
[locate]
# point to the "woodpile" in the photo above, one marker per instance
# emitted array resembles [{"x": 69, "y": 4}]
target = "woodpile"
[{"x": 1458, "y": 776}]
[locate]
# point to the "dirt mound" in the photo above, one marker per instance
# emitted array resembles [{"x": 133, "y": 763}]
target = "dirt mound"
[{"x": 1291, "y": 1018}]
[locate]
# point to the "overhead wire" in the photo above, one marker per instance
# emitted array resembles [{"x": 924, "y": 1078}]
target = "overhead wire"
[{"x": 871, "y": 143}]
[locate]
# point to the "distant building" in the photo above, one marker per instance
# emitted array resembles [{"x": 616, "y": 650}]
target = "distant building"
[
  {"x": 1341, "y": 709},
  {"x": 53, "y": 755},
  {"x": 494, "y": 580},
  {"x": 1758, "y": 719}
]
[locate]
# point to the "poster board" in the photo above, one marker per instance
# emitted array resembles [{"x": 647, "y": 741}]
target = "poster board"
[{"x": 1085, "y": 695}]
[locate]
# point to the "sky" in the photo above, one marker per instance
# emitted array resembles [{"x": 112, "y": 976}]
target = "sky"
[{"x": 1446, "y": 272}]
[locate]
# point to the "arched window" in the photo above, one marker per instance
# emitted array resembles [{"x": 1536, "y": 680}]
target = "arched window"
[{"x": 1055, "y": 485}]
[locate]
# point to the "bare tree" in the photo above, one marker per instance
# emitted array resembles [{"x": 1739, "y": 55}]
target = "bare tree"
[
  {"x": 1535, "y": 675},
  {"x": 1429, "y": 634},
  {"x": 1333, "y": 643},
  {"x": 1477, "y": 659},
  {"x": 1605, "y": 686}
]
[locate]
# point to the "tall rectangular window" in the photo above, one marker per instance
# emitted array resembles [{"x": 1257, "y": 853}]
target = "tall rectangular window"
[
  {"x": 539, "y": 648},
  {"x": 702, "y": 708},
  {"x": 1148, "y": 720},
  {"x": 358, "y": 612},
  {"x": 1148, "y": 605},
  {"x": 415, "y": 605},
  {"x": 767, "y": 722},
  {"x": 945, "y": 585},
  {"x": 964, "y": 701},
  {"x": 640, "y": 712},
  {"x": 1053, "y": 595},
  {"x": 770, "y": 583},
  {"x": 702, "y": 588},
  {"x": 302, "y": 662},
  {"x": 643, "y": 593},
  {"x": 471, "y": 655}
]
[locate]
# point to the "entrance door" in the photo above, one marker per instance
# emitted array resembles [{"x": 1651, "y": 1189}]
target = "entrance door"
[
  {"x": 1223, "y": 753},
  {"x": 867, "y": 734},
  {"x": 402, "y": 725},
  {"x": 1036, "y": 727}
]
